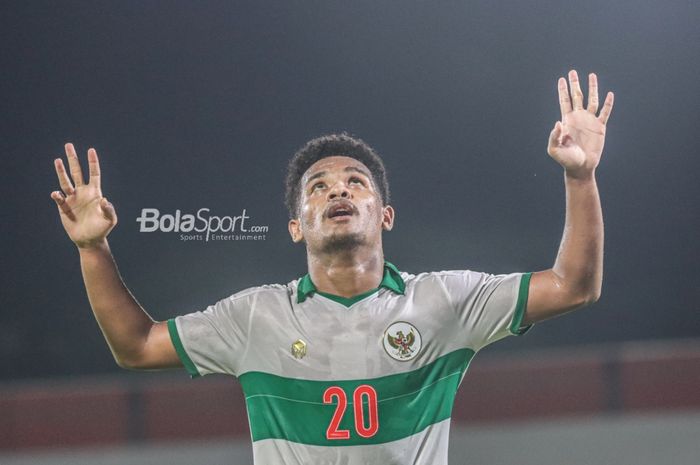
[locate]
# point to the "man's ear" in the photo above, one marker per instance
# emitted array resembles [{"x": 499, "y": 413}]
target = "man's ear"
[
  {"x": 294, "y": 227},
  {"x": 388, "y": 215}
]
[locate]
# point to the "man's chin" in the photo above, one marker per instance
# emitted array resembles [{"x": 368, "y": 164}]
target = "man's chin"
[{"x": 343, "y": 243}]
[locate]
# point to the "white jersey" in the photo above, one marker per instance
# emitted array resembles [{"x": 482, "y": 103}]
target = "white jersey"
[{"x": 367, "y": 380}]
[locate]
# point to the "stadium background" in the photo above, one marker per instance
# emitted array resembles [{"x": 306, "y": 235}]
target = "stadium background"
[{"x": 200, "y": 104}]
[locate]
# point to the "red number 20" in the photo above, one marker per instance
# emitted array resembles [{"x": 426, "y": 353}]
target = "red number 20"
[{"x": 358, "y": 397}]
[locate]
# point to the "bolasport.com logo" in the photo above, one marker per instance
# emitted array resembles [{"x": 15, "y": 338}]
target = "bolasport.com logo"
[{"x": 201, "y": 226}]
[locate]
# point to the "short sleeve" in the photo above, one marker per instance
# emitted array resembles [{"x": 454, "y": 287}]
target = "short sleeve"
[
  {"x": 213, "y": 340},
  {"x": 489, "y": 307}
]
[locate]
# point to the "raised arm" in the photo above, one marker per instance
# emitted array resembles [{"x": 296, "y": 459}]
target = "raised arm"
[
  {"x": 135, "y": 339},
  {"x": 576, "y": 143}
]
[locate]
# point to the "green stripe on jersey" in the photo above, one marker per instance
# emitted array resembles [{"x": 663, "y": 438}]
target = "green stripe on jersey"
[
  {"x": 180, "y": 349},
  {"x": 293, "y": 409},
  {"x": 520, "y": 306}
]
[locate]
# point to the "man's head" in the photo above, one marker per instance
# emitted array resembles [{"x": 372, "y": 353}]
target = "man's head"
[{"x": 337, "y": 194}]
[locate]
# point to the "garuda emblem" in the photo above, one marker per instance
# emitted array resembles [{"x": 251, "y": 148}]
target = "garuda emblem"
[{"x": 402, "y": 341}]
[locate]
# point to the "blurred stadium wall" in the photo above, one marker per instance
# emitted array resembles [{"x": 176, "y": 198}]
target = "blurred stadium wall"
[{"x": 636, "y": 403}]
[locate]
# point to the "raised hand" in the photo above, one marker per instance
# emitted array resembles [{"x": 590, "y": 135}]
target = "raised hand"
[
  {"x": 86, "y": 216},
  {"x": 576, "y": 142}
]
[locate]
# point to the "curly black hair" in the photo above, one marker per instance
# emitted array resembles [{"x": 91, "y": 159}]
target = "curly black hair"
[{"x": 326, "y": 146}]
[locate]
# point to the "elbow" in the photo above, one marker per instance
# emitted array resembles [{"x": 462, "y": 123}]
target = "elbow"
[
  {"x": 127, "y": 363},
  {"x": 590, "y": 297},
  {"x": 122, "y": 363},
  {"x": 581, "y": 297},
  {"x": 585, "y": 292},
  {"x": 594, "y": 293}
]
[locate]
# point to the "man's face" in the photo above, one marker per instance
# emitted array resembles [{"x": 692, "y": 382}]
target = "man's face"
[{"x": 340, "y": 208}]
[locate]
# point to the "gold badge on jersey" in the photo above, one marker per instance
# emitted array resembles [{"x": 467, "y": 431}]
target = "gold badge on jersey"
[{"x": 299, "y": 349}]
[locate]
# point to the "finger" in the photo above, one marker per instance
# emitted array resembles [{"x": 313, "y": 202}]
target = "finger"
[
  {"x": 576, "y": 93},
  {"x": 564, "y": 100},
  {"x": 592, "y": 93},
  {"x": 94, "y": 168},
  {"x": 554, "y": 137},
  {"x": 607, "y": 108},
  {"x": 74, "y": 165},
  {"x": 63, "y": 179},
  {"x": 108, "y": 210},
  {"x": 61, "y": 203}
]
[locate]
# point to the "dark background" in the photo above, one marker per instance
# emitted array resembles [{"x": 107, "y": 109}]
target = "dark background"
[{"x": 200, "y": 104}]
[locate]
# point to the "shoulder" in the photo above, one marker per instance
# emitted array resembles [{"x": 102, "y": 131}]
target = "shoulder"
[
  {"x": 444, "y": 277},
  {"x": 261, "y": 294},
  {"x": 262, "y": 290},
  {"x": 455, "y": 285}
]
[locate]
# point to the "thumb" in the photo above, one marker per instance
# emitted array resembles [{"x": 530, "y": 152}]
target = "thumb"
[
  {"x": 555, "y": 137},
  {"x": 108, "y": 210}
]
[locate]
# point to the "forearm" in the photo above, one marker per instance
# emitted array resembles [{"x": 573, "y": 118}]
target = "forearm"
[
  {"x": 579, "y": 263},
  {"x": 123, "y": 322}
]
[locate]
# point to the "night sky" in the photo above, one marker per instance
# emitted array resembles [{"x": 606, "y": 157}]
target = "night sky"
[{"x": 200, "y": 104}]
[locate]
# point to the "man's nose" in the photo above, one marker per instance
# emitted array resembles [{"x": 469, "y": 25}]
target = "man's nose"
[{"x": 338, "y": 189}]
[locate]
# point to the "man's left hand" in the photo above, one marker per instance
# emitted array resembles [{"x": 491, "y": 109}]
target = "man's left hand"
[{"x": 576, "y": 142}]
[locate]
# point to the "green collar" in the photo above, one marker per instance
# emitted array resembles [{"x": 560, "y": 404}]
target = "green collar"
[{"x": 391, "y": 280}]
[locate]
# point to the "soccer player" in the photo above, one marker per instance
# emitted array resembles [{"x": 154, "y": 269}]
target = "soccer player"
[{"x": 356, "y": 362}]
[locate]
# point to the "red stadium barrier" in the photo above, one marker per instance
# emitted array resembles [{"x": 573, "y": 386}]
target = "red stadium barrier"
[
  {"x": 535, "y": 384},
  {"x": 67, "y": 415},
  {"x": 193, "y": 410},
  {"x": 661, "y": 377}
]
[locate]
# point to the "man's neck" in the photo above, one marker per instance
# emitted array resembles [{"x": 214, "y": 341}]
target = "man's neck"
[{"x": 347, "y": 274}]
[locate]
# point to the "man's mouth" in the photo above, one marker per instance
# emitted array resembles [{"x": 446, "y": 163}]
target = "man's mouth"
[{"x": 340, "y": 209}]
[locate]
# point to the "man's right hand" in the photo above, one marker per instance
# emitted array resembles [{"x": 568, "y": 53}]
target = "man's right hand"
[
  {"x": 86, "y": 216},
  {"x": 135, "y": 339}
]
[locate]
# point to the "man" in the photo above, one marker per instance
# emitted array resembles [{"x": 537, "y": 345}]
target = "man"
[{"x": 356, "y": 362}]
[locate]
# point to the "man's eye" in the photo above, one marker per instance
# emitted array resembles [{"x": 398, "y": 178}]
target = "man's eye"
[
  {"x": 356, "y": 180},
  {"x": 317, "y": 185}
]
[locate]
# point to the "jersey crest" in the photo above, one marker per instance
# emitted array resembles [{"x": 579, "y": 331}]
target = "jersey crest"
[{"x": 402, "y": 341}]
